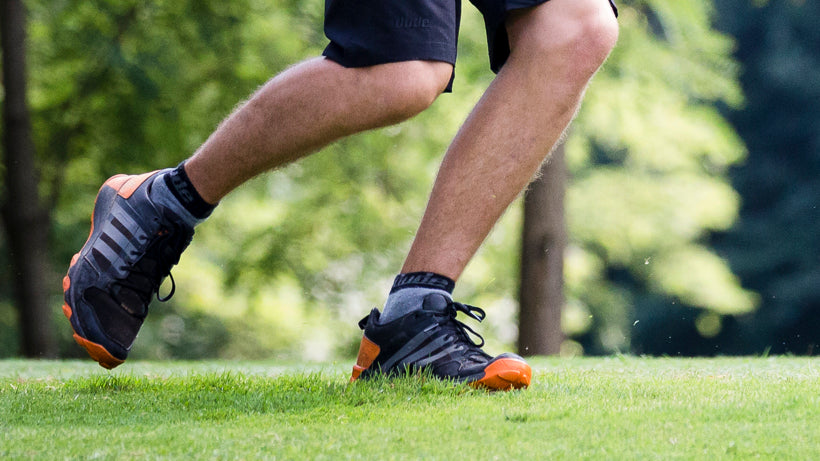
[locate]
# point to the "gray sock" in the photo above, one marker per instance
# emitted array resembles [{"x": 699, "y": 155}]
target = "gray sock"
[
  {"x": 409, "y": 291},
  {"x": 405, "y": 301},
  {"x": 162, "y": 195}
]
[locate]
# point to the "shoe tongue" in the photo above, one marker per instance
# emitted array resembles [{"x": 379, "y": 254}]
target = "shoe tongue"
[{"x": 435, "y": 302}]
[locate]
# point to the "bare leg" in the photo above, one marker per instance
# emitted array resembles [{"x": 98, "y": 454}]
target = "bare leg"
[
  {"x": 305, "y": 108},
  {"x": 556, "y": 49}
]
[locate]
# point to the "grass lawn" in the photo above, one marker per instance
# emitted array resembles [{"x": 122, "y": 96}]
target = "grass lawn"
[{"x": 611, "y": 408}]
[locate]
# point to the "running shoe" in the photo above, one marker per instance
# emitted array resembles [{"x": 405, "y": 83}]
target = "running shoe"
[
  {"x": 130, "y": 250},
  {"x": 431, "y": 338}
]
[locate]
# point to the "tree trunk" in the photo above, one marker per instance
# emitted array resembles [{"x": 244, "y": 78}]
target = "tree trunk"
[
  {"x": 24, "y": 218},
  {"x": 544, "y": 238}
]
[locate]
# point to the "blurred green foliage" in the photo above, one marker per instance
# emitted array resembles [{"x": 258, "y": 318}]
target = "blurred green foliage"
[
  {"x": 774, "y": 246},
  {"x": 649, "y": 154},
  {"x": 291, "y": 260}
]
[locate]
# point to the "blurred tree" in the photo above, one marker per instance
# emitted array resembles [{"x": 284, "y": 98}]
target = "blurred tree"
[
  {"x": 543, "y": 242},
  {"x": 774, "y": 246},
  {"x": 25, "y": 220}
]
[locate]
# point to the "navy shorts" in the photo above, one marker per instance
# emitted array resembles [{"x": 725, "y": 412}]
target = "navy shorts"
[{"x": 369, "y": 32}]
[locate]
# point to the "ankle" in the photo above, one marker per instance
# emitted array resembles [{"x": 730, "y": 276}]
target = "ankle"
[
  {"x": 409, "y": 291},
  {"x": 179, "y": 184}
]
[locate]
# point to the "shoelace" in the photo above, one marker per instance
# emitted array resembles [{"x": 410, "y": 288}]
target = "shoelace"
[
  {"x": 165, "y": 250},
  {"x": 474, "y": 312},
  {"x": 177, "y": 246}
]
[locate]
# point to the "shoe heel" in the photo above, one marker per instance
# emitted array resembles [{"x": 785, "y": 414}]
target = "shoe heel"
[
  {"x": 125, "y": 185},
  {"x": 368, "y": 351}
]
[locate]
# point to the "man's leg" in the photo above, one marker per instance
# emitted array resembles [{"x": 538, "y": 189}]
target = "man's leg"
[
  {"x": 304, "y": 109},
  {"x": 141, "y": 224},
  {"x": 556, "y": 48}
]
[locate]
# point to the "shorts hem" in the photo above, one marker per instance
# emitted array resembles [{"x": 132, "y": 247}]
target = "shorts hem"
[{"x": 366, "y": 58}]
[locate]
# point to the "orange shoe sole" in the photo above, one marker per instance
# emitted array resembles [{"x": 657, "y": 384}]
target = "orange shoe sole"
[
  {"x": 502, "y": 375},
  {"x": 96, "y": 351},
  {"x": 505, "y": 375}
]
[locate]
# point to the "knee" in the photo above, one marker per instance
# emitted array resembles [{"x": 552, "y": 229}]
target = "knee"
[
  {"x": 581, "y": 33},
  {"x": 407, "y": 88},
  {"x": 596, "y": 32}
]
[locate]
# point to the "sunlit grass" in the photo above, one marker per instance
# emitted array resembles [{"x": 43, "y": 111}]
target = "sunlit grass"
[{"x": 615, "y": 408}]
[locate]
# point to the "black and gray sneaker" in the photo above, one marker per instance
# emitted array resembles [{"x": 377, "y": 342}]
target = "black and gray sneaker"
[
  {"x": 131, "y": 248},
  {"x": 431, "y": 338}
]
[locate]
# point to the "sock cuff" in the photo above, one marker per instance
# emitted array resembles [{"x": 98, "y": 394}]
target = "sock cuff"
[
  {"x": 423, "y": 280},
  {"x": 180, "y": 185}
]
